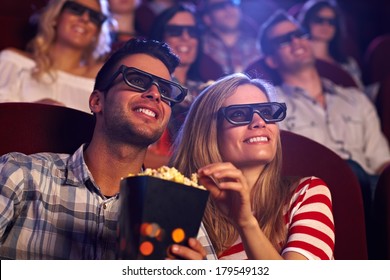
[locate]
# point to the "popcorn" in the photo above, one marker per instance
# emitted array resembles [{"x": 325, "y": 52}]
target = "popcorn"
[{"x": 171, "y": 174}]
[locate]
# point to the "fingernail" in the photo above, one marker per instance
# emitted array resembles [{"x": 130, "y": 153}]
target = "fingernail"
[{"x": 175, "y": 248}]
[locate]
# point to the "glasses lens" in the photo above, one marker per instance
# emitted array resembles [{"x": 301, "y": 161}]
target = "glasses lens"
[
  {"x": 286, "y": 39},
  {"x": 173, "y": 30},
  {"x": 143, "y": 81},
  {"x": 78, "y": 9},
  {"x": 239, "y": 114},
  {"x": 323, "y": 20},
  {"x": 272, "y": 112},
  {"x": 177, "y": 30},
  {"x": 139, "y": 80}
]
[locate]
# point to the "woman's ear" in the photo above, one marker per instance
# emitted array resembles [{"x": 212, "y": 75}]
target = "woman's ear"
[
  {"x": 96, "y": 101},
  {"x": 270, "y": 62}
]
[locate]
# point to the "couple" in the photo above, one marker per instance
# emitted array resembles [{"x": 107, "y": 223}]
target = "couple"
[{"x": 57, "y": 206}]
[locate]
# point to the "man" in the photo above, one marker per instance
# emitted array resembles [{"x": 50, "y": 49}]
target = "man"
[
  {"x": 342, "y": 119},
  {"x": 228, "y": 39},
  {"x": 57, "y": 206}
]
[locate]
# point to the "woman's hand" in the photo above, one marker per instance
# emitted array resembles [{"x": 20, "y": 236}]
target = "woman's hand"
[
  {"x": 230, "y": 191},
  {"x": 194, "y": 251}
]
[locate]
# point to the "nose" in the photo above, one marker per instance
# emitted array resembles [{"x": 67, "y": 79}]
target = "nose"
[
  {"x": 152, "y": 93},
  {"x": 185, "y": 34},
  {"x": 257, "y": 121},
  {"x": 85, "y": 16}
]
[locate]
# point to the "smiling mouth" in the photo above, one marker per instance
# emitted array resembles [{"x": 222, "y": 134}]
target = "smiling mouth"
[
  {"x": 258, "y": 139},
  {"x": 147, "y": 112}
]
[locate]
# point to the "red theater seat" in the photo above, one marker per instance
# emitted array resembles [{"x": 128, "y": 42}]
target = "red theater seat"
[{"x": 304, "y": 157}]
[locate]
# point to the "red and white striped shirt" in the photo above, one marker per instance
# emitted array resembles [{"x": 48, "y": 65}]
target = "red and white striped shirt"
[{"x": 309, "y": 220}]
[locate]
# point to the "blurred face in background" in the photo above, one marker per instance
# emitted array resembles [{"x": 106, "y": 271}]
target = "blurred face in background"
[
  {"x": 78, "y": 25},
  {"x": 323, "y": 25},
  {"x": 123, "y": 6},
  {"x": 181, "y": 34},
  {"x": 292, "y": 48},
  {"x": 223, "y": 15}
]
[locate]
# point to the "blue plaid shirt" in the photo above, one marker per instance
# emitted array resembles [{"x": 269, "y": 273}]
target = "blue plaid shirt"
[{"x": 51, "y": 208}]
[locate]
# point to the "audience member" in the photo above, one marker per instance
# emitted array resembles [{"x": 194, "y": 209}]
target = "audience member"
[
  {"x": 178, "y": 27},
  {"x": 147, "y": 12},
  {"x": 60, "y": 206},
  {"x": 342, "y": 119},
  {"x": 231, "y": 137},
  {"x": 228, "y": 37},
  {"x": 323, "y": 20},
  {"x": 123, "y": 13},
  {"x": 63, "y": 58}
]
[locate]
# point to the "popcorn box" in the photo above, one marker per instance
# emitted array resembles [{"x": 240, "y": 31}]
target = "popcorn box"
[{"x": 156, "y": 213}]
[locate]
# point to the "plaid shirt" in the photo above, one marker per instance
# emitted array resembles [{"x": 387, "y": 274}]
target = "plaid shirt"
[{"x": 51, "y": 208}]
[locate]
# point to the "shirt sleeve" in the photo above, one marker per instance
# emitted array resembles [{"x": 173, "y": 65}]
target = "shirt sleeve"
[
  {"x": 9, "y": 77},
  {"x": 11, "y": 192},
  {"x": 376, "y": 148},
  {"x": 206, "y": 243},
  {"x": 310, "y": 221}
]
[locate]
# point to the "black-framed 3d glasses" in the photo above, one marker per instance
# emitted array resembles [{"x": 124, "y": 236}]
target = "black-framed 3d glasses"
[
  {"x": 78, "y": 9},
  {"x": 286, "y": 39},
  {"x": 323, "y": 20},
  {"x": 141, "y": 81},
  {"x": 223, "y": 5},
  {"x": 172, "y": 30},
  {"x": 242, "y": 114}
]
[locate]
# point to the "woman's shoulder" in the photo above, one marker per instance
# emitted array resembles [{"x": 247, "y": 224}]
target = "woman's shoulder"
[
  {"x": 93, "y": 70},
  {"x": 16, "y": 55},
  {"x": 311, "y": 185}
]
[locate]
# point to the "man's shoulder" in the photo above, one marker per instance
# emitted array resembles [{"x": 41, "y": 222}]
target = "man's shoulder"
[{"x": 42, "y": 159}]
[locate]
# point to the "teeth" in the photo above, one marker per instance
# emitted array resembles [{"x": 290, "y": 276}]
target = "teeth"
[
  {"x": 79, "y": 29},
  {"x": 183, "y": 49},
  {"x": 257, "y": 139},
  {"x": 147, "y": 112}
]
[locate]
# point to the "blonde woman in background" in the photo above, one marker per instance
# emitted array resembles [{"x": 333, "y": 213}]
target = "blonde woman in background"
[
  {"x": 63, "y": 58},
  {"x": 231, "y": 138}
]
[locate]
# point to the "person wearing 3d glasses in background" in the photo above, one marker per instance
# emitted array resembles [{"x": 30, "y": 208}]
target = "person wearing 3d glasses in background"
[
  {"x": 342, "y": 119},
  {"x": 231, "y": 138},
  {"x": 63, "y": 58},
  {"x": 61, "y": 206},
  {"x": 228, "y": 38}
]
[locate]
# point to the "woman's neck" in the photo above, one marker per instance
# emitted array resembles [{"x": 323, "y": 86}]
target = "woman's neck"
[
  {"x": 125, "y": 23},
  {"x": 321, "y": 50},
  {"x": 68, "y": 60},
  {"x": 181, "y": 73}
]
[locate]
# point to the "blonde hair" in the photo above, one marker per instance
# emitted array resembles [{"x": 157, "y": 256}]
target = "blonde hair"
[
  {"x": 197, "y": 146},
  {"x": 40, "y": 45}
]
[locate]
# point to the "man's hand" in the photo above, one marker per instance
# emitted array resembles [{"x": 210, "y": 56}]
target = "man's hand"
[{"x": 194, "y": 251}]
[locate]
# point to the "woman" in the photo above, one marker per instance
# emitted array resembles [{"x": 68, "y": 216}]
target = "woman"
[
  {"x": 231, "y": 138},
  {"x": 62, "y": 59},
  {"x": 178, "y": 27},
  {"x": 123, "y": 11},
  {"x": 323, "y": 20}
]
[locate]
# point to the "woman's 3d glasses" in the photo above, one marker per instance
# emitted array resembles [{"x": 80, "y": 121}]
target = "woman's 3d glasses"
[
  {"x": 242, "y": 114},
  {"x": 286, "y": 39},
  {"x": 178, "y": 30},
  {"x": 141, "y": 81},
  {"x": 322, "y": 20},
  {"x": 78, "y": 9}
]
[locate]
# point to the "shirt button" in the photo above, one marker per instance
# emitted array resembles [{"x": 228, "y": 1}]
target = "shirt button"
[{"x": 104, "y": 205}]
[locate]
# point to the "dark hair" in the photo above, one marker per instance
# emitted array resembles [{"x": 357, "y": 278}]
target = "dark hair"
[
  {"x": 158, "y": 31},
  {"x": 153, "y": 48},
  {"x": 310, "y": 9},
  {"x": 277, "y": 17}
]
